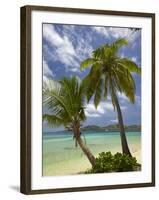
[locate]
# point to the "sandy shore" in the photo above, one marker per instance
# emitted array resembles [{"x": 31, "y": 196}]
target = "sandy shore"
[
  {"x": 81, "y": 164},
  {"x": 136, "y": 152}
]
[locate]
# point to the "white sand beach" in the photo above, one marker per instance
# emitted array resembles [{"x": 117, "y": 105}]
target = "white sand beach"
[{"x": 61, "y": 157}]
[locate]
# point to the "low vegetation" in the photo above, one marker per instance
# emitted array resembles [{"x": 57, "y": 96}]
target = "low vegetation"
[{"x": 107, "y": 162}]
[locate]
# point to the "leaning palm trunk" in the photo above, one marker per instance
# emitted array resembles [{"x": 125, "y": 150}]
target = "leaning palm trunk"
[
  {"x": 124, "y": 144},
  {"x": 86, "y": 151},
  {"x": 65, "y": 99},
  {"x": 84, "y": 148}
]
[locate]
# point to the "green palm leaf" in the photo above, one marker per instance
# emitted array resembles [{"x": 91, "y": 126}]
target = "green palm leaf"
[
  {"x": 65, "y": 101},
  {"x": 53, "y": 97},
  {"x": 130, "y": 65},
  {"x": 105, "y": 62},
  {"x": 53, "y": 120},
  {"x": 98, "y": 92},
  {"x": 86, "y": 63},
  {"x": 119, "y": 43},
  {"x": 111, "y": 74}
]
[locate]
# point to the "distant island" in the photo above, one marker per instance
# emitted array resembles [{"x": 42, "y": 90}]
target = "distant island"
[
  {"x": 108, "y": 128},
  {"x": 112, "y": 128}
]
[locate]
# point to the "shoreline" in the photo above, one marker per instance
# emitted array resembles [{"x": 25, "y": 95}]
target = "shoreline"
[
  {"x": 80, "y": 166},
  {"x": 61, "y": 157}
]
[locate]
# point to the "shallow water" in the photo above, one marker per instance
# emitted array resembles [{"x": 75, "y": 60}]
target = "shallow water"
[{"x": 61, "y": 157}]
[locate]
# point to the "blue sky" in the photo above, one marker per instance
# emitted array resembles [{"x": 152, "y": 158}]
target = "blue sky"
[{"x": 65, "y": 46}]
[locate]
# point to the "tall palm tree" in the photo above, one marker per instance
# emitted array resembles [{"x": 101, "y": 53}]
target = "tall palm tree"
[
  {"x": 65, "y": 101},
  {"x": 109, "y": 75}
]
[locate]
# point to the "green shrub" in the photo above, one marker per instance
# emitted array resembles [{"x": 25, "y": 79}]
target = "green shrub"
[
  {"x": 123, "y": 162},
  {"x": 107, "y": 162}
]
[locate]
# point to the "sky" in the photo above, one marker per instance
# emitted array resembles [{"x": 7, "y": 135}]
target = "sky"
[{"x": 65, "y": 46}]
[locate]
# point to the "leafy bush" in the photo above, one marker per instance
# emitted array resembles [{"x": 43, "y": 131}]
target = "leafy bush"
[{"x": 107, "y": 162}]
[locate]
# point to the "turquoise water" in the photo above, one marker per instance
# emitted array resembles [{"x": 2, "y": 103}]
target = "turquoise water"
[{"x": 61, "y": 157}]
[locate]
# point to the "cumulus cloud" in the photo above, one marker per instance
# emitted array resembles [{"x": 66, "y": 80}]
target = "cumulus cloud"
[
  {"x": 102, "y": 108},
  {"x": 46, "y": 71},
  {"x": 92, "y": 114},
  {"x": 122, "y": 96},
  {"x": 114, "y": 32},
  {"x": 124, "y": 99},
  {"x": 63, "y": 48},
  {"x": 82, "y": 44},
  {"x": 101, "y": 30}
]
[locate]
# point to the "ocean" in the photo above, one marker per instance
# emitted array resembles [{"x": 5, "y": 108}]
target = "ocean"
[{"x": 61, "y": 157}]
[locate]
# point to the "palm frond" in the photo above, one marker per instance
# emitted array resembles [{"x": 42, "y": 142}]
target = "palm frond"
[
  {"x": 65, "y": 100},
  {"x": 98, "y": 92},
  {"x": 106, "y": 86},
  {"x": 126, "y": 84},
  {"x": 87, "y": 63},
  {"x": 106, "y": 63},
  {"x": 54, "y": 99},
  {"x": 52, "y": 120},
  {"x": 119, "y": 43},
  {"x": 130, "y": 65},
  {"x": 98, "y": 54}
]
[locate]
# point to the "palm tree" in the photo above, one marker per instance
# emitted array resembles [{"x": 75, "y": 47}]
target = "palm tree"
[
  {"x": 65, "y": 101},
  {"x": 110, "y": 75}
]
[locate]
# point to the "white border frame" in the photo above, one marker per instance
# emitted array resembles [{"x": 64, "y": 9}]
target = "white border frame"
[{"x": 39, "y": 182}]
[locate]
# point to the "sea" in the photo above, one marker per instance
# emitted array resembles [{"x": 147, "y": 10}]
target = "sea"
[{"x": 61, "y": 157}]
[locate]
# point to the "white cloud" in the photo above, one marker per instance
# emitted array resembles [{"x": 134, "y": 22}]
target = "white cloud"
[
  {"x": 114, "y": 32},
  {"x": 91, "y": 109},
  {"x": 102, "y": 108},
  {"x": 114, "y": 120},
  {"x": 108, "y": 106},
  {"x": 46, "y": 71},
  {"x": 45, "y": 78},
  {"x": 122, "y": 96},
  {"x": 91, "y": 115},
  {"x": 134, "y": 59},
  {"x": 83, "y": 47},
  {"x": 102, "y": 30},
  {"x": 64, "y": 50}
]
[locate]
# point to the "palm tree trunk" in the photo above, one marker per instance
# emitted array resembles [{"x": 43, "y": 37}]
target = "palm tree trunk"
[
  {"x": 86, "y": 151},
  {"x": 125, "y": 148}
]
